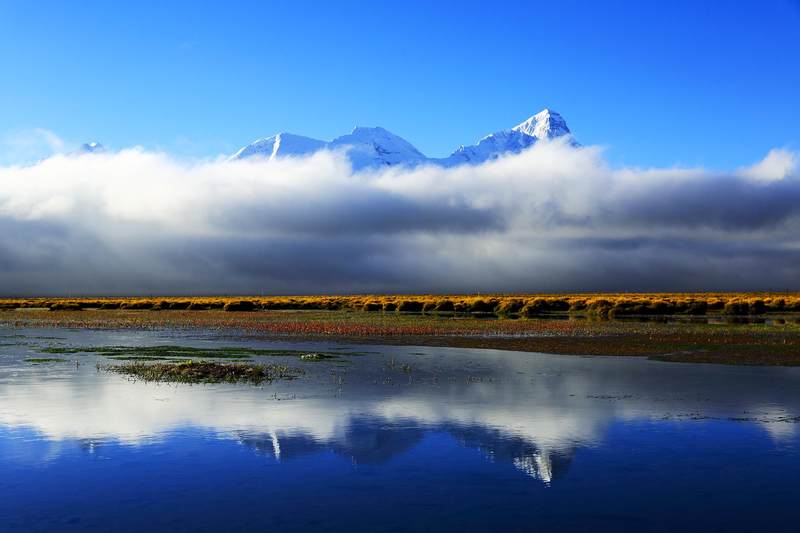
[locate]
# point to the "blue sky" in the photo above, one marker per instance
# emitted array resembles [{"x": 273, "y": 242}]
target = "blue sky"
[{"x": 660, "y": 83}]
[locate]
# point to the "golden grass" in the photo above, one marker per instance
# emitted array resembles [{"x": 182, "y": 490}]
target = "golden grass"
[{"x": 503, "y": 305}]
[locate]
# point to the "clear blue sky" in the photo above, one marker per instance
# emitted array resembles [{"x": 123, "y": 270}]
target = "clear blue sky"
[{"x": 659, "y": 83}]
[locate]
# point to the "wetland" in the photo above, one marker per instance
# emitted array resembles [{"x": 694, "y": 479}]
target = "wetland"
[{"x": 123, "y": 428}]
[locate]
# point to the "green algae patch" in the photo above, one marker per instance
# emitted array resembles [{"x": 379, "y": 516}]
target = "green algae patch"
[
  {"x": 204, "y": 372},
  {"x": 171, "y": 352},
  {"x": 43, "y": 360},
  {"x": 60, "y": 350},
  {"x": 156, "y": 352}
]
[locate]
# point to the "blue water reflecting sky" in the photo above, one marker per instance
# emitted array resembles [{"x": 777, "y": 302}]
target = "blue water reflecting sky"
[{"x": 470, "y": 440}]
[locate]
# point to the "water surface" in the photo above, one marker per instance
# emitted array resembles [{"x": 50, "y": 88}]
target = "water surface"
[{"x": 399, "y": 438}]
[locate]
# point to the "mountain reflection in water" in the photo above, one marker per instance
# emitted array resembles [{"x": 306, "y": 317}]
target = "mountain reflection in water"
[{"x": 375, "y": 441}]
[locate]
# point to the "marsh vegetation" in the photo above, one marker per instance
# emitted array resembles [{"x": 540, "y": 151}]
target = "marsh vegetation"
[
  {"x": 204, "y": 372},
  {"x": 769, "y": 338},
  {"x": 609, "y": 305}
]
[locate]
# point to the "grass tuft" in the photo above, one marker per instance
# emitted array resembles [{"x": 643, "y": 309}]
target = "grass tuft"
[{"x": 316, "y": 356}]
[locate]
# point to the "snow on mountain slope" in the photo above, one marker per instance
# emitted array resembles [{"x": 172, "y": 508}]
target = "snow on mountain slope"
[
  {"x": 282, "y": 144},
  {"x": 378, "y": 147},
  {"x": 490, "y": 147},
  {"x": 545, "y": 125},
  {"x": 365, "y": 148},
  {"x": 371, "y": 147}
]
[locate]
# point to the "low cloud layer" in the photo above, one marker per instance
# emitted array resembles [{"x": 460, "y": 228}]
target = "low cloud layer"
[{"x": 549, "y": 219}]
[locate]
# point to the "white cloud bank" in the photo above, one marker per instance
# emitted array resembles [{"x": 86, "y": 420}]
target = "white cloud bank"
[{"x": 551, "y": 218}]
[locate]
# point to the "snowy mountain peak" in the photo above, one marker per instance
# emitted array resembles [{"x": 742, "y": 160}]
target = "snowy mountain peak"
[
  {"x": 376, "y": 146},
  {"x": 545, "y": 124},
  {"x": 281, "y": 144},
  {"x": 93, "y": 147},
  {"x": 371, "y": 147},
  {"x": 369, "y": 130},
  {"x": 365, "y": 147}
]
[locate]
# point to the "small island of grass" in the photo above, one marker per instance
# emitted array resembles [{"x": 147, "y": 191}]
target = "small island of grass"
[{"x": 204, "y": 372}]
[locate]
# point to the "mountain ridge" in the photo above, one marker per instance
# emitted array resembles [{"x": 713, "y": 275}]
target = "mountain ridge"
[{"x": 375, "y": 147}]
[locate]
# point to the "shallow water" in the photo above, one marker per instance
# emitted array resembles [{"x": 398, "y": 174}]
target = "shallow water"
[{"x": 401, "y": 438}]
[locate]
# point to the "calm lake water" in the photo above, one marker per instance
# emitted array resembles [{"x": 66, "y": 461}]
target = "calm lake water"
[{"x": 397, "y": 439}]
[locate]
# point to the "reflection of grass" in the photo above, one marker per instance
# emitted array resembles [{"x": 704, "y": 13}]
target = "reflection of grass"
[
  {"x": 204, "y": 372},
  {"x": 40, "y": 360}
]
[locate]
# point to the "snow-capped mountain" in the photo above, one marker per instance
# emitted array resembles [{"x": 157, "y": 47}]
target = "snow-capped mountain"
[
  {"x": 370, "y": 147},
  {"x": 365, "y": 147},
  {"x": 544, "y": 125},
  {"x": 377, "y": 147},
  {"x": 282, "y": 144},
  {"x": 89, "y": 148}
]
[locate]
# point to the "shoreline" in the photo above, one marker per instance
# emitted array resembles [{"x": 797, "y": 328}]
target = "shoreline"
[{"x": 744, "y": 344}]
